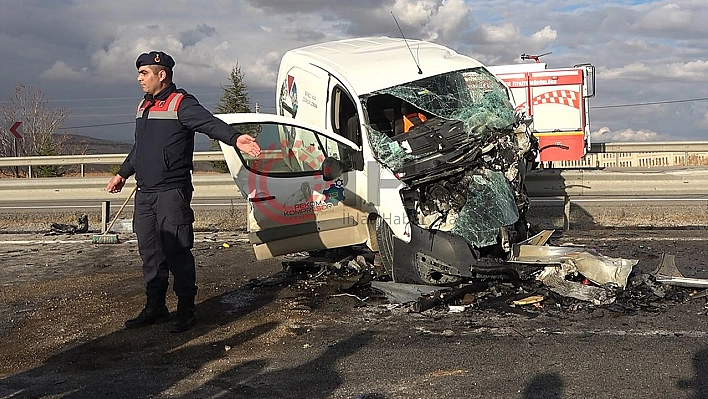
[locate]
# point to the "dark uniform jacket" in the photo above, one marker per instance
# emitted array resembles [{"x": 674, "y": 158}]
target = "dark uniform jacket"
[{"x": 161, "y": 157}]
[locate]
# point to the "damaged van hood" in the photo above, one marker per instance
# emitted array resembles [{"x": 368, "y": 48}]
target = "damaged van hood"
[{"x": 464, "y": 166}]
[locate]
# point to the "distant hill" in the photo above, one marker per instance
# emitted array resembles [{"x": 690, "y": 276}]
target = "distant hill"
[{"x": 78, "y": 144}]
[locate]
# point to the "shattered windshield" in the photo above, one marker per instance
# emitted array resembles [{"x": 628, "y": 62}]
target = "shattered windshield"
[{"x": 473, "y": 97}]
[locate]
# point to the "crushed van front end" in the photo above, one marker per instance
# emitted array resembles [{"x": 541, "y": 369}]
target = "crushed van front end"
[{"x": 462, "y": 163}]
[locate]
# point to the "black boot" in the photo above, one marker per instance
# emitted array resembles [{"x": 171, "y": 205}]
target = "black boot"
[
  {"x": 186, "y": 317},
  {"x": 155, "y": 311}
]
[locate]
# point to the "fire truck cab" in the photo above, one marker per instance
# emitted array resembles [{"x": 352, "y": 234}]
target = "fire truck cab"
[{"x": 556, "y": 100}]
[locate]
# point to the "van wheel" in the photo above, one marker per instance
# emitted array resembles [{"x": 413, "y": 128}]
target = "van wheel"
[{"x": 400, "y": 270}]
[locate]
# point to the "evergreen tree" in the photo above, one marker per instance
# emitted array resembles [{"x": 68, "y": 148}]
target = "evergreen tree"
[{"x": 234, "y": 100}]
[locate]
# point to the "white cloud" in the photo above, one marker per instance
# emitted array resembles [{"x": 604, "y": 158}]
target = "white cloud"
[
  {"x": 545, "y": 36},
  {"x": 446, "y": 23},
  {"x": 61, "y": 71},
  {"x": 499, "y": 34},
  {"x": 669, "y": 16},
  {"x": 263, "y": 72},
  {"x": 605, "y": 135},
  {"x": 696, "y": 70},
  {"x": 414, "y": 12}
]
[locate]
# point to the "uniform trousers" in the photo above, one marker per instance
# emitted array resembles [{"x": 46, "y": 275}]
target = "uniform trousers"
[{"x": 163, "y": 222}]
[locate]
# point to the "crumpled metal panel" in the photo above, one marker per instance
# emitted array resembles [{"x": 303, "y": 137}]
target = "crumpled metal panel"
[
  {"x": 608, "y": 273},
  {"x": 667, "y": 273},
  {"x": 554, "y": 277},
  {"x": 600, "y": 269}
]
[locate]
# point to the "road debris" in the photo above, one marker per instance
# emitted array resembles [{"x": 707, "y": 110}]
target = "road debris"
[
  {"x": 529, "y": 300},
  {"x": 555, "y": 279},
  {"x": 403, "y": 293},
  {"x": 537, "y": 278},
  {"x": 668, "y": 273},
  {"x": 81, "y": 227}
]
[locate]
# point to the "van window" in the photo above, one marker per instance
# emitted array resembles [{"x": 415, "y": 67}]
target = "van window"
[
  {"x": 290, "y": 151},
  {"x": 345, "y": 120}
]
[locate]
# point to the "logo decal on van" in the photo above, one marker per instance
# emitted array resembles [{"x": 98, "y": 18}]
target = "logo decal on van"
[
  {"x": 335, "y": 192},
  {"x": 288, "y": 97},
  {"x": 302, "y": 205}
]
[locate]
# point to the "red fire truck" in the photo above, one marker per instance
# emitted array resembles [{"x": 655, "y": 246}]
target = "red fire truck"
[{"x": 556, "y": 99}]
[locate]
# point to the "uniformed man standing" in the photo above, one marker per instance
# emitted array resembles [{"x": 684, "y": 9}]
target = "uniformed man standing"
[{"x": 161, "y": 160}]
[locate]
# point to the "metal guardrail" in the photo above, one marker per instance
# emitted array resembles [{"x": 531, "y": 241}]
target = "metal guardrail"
[
  {"x": 97, "y": 159},
  {"x": 114, "y": 159},
  {"x": 219, "y": 185},
  {"x": 618, "y": 182},
  {"x": 674, "y": 182}
]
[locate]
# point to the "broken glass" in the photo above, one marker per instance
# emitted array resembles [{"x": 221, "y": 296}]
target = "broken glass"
[
  {"x": 473, "y": 96},
  {"x": 464, "y": 109},
  {"x": 490, "y": 205},
  {"x": 388, "y": 151}
]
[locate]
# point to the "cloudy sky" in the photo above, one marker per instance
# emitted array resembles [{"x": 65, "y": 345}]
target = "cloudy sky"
[{"x": 651, "y": 57}]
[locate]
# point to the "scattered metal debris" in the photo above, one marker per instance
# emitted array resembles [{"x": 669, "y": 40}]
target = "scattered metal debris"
[
  {"x": 555, "y": 279},
  {"x": 404, "y": 293},
  {"x": 543, "y": 278},
  {"x": 668, "y": 273},
  {"x": 351, "y": 295},
  {"x": 307, "y": 268},
  {"x": 447, "y": 297},
  {"x": 697, "y": 295},
  {"x": 529, "y": 300}
]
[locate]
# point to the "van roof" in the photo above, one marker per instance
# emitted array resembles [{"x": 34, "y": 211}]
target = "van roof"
[{"x": 375, "y": 63}]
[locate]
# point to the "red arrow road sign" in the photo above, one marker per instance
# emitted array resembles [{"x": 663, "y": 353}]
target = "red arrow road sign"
[{"x": 14, "y": 131}]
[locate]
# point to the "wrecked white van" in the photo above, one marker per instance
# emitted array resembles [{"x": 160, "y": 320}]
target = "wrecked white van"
[{"x": 404, "y": 146}]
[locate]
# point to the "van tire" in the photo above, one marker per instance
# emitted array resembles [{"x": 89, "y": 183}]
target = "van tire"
[{"x": 400, "y": 270}]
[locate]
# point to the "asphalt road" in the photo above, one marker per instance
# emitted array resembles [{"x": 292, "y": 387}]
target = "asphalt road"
[{"x": 264, "y": 333}]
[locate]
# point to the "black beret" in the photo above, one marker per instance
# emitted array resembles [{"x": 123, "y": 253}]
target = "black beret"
[{"x": 155, "y": 58}]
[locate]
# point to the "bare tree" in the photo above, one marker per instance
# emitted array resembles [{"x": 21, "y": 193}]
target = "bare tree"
[{"x": 40, "y": 122}]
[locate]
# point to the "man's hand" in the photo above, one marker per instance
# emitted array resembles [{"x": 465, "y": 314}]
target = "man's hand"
[
  {"x": 248, "y": 145},
  {"x": 115, "y": 184}
]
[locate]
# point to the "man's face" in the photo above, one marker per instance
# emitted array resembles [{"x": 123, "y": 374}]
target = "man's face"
[{"x": 150, "y": 82}]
